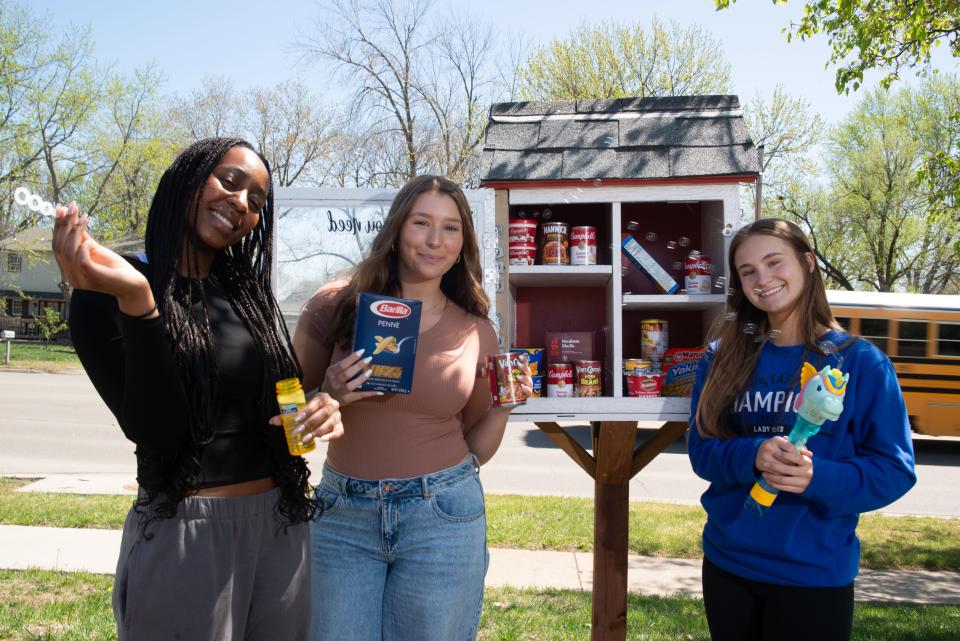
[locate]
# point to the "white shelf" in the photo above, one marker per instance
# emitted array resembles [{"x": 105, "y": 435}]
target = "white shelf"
[
  {"x": 677, "y": 302},
  {"x": 604, "y": 408},
  {"x": 560, "y": 275}
]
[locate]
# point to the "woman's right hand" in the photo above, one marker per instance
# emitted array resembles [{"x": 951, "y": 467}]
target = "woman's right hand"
[
  {"x": 345, "y": 376},
  {"x": 86, "y": 264}
]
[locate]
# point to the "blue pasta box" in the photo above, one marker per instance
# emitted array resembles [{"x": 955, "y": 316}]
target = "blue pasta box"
[{"x": 387, "y": 329}]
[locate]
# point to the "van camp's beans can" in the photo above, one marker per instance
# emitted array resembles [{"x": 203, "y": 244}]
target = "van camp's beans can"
[
  {"x": 588, "y": 378},
  {"x": 560, "y": 380},
  {"x": 654, "y": 334},
  {"x": 503, "y": 371},
  {"x": 697, "y": 272},
  {"x": 556, "y": 244},
  {"x": 583, "y": 246}
]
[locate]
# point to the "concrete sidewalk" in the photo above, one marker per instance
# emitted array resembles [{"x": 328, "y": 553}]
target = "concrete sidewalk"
[{"x": 96, "y": 551}]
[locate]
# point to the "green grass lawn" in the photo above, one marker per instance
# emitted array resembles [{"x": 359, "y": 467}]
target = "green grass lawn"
[
  {"x": 61, "y": 606},
  {"x": 54, "y": 357},
  {"x": 554, "y": 523}
]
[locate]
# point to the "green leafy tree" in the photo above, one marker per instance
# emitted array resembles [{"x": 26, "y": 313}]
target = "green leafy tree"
[
  {"x": 613, "y": 60},
  {"x": 50, "y": 323},
  {"x": 886, "y": 35},
  {"x": 873, "y": 224}
]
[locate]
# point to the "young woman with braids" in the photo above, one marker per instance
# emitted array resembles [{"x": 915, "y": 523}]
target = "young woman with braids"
[
  {"x": 788, "y": 575},
  {"x": 185, "y": 347},
  {"x": 399, "y": 547}
]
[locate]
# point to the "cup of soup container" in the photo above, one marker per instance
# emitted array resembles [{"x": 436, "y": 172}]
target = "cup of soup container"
[{"x": 523, "y": 254}]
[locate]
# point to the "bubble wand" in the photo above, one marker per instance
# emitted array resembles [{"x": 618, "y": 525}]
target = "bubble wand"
[
  {"x": 34, "y": 202},
  {"x": 820, "y": 400}
]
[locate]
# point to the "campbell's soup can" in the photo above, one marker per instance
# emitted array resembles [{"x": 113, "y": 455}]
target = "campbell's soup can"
[
  {"x": 523, "y": 254},
  {"x": 556, "y": 244},
  {"x": 588, "y": 378},
  {"x": 583, "y": 246},
  {"x": 639, "y": 385},
  {"x": 654, "y": 335},
  {"x": 503, "y": 371},
  {"x": 697, "y": 272},
  {"x": 560, "y": 380},
  {"x": 521, "y": 231}
]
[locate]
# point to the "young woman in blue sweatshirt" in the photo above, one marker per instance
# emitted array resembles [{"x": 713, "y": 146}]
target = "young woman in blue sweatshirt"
[{"x": 789, "y": 573}]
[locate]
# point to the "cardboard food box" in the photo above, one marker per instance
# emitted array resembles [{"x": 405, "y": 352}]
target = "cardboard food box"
[
  {"x": 388, "y": 329},
  {"x": 649, "y": 265},
  {"x": 680, "y": 370},
  {"x": 569, "y": 347}
]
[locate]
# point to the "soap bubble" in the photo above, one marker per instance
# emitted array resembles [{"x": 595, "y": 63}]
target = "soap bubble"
[
  {"x": 684, "y": 241},
  {"x": 677, "y": 265},
  {"x": 35, "y": 202},
  {"x": 597, "y": 182},
  {"x": 750, "y": 328},
  {"x": 721, "y": 282},
  {"x": 727, "y": 230},
  {"x": 21, "y": 195},
  {"x": 731, "y": 291},
  {"x": 521, "y": 214},
  {"x": 672, "y": 244},
  {"x": 632, "y": 225},
  {"x": 651, "y": 236},
  {"x": 694, "y": 255},
  {"x": 828, "y": 348},
  {"x": 682, "y": 292},
  {"x": 547, "y": 214},
  {"x": 730, "y": 316},
  {"x": 757, "y": 291}
]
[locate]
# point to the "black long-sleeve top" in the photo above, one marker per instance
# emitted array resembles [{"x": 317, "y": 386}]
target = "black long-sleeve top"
[{"x": 131, "y": 364}]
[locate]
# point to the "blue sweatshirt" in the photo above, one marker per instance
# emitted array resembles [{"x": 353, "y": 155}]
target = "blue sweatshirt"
[{"x": 861, "y": 462}]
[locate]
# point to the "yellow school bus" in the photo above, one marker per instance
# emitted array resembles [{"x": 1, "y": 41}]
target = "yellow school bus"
[{"x": 921, "y": 335}]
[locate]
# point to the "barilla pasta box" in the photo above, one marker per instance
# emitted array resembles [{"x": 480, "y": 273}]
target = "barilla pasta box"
[
  {"x": 387, "y": 329},
  {"x": 680, "y": 370}
]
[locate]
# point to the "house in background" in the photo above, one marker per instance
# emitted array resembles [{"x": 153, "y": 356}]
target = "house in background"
[{"x": 29, "y": 279}]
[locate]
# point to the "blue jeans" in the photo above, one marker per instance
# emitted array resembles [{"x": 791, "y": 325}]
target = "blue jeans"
[{"x": 399, "y": 559}]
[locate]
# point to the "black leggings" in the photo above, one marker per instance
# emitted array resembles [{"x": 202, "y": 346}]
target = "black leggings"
[{"x": 742, "y": 610}]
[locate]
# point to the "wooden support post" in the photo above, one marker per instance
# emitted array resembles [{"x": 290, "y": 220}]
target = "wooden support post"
[
  {"x": 614, "y": 454},
  {"x": 611, "y": 504}
]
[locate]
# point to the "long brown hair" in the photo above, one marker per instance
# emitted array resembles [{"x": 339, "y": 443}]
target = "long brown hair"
[
  {"x": 736, "y": 331},
  {"x": 378, "y": 273}
]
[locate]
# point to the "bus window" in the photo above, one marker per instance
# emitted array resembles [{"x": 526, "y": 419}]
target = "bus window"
[
  {"x": 948, "y": 339},
  {"x": 844, "y": 322},
  {"x": 875, "y": 331},
  {"x": 912, "y": 338}
]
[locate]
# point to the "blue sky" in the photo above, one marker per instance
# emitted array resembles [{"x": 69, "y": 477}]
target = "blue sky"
[{"x": 250, "y": 42}]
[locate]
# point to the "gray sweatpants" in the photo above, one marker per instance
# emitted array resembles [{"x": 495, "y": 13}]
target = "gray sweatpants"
[{"x": 222, "y": 569}]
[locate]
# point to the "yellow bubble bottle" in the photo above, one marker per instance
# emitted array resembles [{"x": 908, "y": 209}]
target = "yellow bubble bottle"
[{"x": 291, "y": 399}]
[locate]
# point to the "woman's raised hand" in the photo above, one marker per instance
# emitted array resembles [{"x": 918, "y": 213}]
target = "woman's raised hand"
[
  {"x": 85, "y": 264},
  {"x": 346, "y": 375}
]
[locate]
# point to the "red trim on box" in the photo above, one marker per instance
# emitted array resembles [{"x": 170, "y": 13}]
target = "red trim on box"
[{"x": 618, "y": 182}]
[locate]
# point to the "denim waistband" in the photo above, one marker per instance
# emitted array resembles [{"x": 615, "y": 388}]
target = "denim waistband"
[{"x": 423, "y": 486}]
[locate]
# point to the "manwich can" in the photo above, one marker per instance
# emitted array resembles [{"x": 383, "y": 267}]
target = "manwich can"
[
  {"x": 503, "y": 371},
  {"x": 556, "y": 244}
]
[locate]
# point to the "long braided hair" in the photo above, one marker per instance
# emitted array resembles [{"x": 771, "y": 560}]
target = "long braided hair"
[{"x": 243, "y": 271}]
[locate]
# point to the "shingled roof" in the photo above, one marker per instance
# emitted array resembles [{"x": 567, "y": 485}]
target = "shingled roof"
[{"x": 625, "y": 138}]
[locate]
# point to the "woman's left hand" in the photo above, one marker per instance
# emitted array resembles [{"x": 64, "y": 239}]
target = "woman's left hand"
[
  {"x": 790, "y": 469},
  {"x": 319, "y": 419}
]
